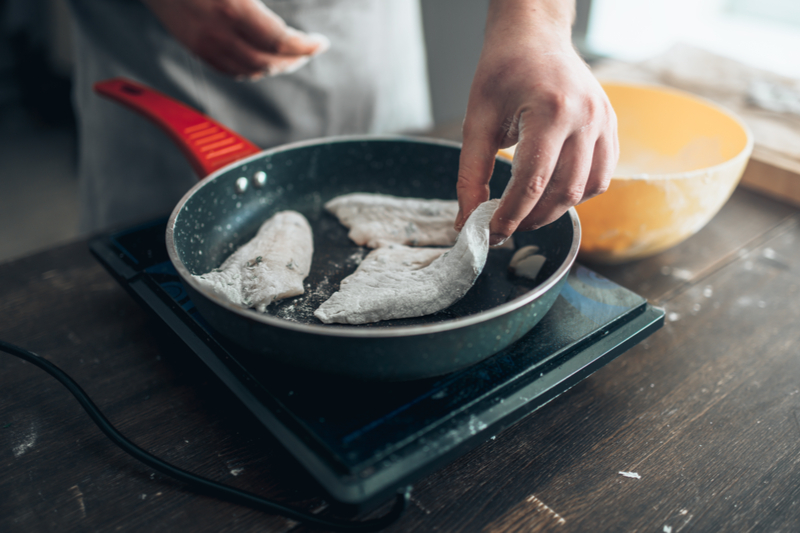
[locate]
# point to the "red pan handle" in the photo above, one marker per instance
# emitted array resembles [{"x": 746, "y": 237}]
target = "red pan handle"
[{"x": 207, "y": 144}]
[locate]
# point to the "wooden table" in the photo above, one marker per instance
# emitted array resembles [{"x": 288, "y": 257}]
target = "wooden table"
[{"x": 706, "y": 411}]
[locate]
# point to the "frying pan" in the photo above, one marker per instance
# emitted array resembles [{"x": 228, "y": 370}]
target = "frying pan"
[{"x": 242, "y": 186}]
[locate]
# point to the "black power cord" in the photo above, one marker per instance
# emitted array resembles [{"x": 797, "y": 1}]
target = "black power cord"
[{"x": 197, "y": 483}]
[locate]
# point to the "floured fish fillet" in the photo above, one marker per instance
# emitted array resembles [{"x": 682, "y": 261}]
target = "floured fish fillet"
[
  {"x": 386, "y": 261},
  {"x": 374, "y": 219},
  {"x": 385, "y": 288},
  {"x": 271, "y": 266},
  {"x": 395, "y": 257}
]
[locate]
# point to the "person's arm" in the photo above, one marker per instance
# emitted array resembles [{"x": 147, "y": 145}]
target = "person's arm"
[
  {"x": 237, "y": 37},
  {"x": 532, "y": 88}
]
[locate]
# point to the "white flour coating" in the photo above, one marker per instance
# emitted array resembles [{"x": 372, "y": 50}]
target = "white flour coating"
[
  {"x": 387, "y": 286},
  {"x": 375, "y": 219},
  {"x": 271, "y": 266}
]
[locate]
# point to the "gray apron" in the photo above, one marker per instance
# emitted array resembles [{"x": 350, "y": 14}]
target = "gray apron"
[{"x": 372, "y": 80}]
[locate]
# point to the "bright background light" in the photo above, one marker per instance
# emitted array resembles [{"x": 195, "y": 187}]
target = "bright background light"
[{"x": 761, "y": 33}]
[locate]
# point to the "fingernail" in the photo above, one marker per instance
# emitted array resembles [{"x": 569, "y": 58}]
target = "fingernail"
[
  {"x": 324, "y": 42},
  {"x": 496, "y": 239}
]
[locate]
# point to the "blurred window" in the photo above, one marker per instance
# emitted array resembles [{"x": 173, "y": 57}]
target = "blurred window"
[
  {"x": 783, "y": 11},
  {"x": 761, "y": 33}
]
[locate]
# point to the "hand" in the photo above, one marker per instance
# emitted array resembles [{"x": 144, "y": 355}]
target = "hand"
[
  {"x": 237, "y": 37},
  {"x": 533, "y": 89}
]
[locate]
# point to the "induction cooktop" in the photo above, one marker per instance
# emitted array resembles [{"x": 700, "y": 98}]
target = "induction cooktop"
[{"x": 363, "y": 441}]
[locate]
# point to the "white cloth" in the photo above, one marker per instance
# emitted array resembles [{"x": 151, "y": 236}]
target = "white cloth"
[{"x": 373, "y": 79}]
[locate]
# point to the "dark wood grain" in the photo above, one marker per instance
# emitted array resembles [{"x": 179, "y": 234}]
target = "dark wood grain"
[
  {"x": 59, "y": 471},
  {"x": 743, "y": 222},
  {"x": 705, "y": 411}
]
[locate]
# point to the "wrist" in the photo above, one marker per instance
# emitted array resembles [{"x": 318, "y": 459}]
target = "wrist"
[{"x": 548, "y": 21}]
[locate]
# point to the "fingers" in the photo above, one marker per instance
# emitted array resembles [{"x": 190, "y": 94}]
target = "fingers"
[
  {"x": 562, "y": 121},
  {"x": 267, "y": 32},
  {"x": 606, "y": 153},
  {"x": 237, "y": 37},
  {"x": 231, "y": 57},
  {"x": 269, "y": 46},
  {"x": 474, "y": 168},
  {"x": 237, "y": 58},
  {"x": 535, "y": 159},
  {"x": 566, "y": 186},
  {"x": 583, "y": 172}
]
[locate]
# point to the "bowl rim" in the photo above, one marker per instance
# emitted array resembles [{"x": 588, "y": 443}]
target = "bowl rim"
[{"x": 731, "y": 162}]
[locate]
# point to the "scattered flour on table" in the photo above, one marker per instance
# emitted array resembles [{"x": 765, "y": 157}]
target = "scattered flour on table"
[{"x": 26, "y": 441}]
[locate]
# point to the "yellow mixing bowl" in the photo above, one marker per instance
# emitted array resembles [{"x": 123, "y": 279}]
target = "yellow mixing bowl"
[{"x": 680, "y": 159}]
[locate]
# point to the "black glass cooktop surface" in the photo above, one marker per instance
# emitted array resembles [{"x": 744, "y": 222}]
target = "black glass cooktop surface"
[{"x": 362, "y": 441}]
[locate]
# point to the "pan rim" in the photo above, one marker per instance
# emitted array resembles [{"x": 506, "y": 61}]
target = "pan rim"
[{"x": 346, "y": 330}]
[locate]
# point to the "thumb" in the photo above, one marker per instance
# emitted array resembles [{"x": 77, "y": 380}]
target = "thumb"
[{"x": 267, "y": 32}]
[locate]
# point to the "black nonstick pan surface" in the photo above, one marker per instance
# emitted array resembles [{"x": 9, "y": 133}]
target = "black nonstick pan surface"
[{"x": 226, "y": 208}]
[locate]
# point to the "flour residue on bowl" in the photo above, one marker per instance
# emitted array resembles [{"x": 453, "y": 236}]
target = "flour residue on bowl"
[{"x": 637, "y": 161}]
